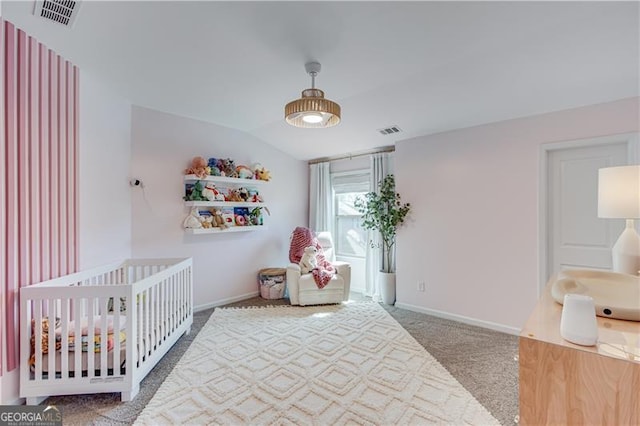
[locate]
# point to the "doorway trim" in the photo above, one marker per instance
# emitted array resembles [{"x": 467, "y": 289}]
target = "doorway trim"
[{"x": 632, "y": 141}]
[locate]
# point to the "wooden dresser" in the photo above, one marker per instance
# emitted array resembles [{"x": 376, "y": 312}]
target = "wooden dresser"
[{"x": 566, "y": 384}]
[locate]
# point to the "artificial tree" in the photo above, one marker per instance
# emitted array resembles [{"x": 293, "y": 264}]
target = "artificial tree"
[{"x": 383, "y": 212}]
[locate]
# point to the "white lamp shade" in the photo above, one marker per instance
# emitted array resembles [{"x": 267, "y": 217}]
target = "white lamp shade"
[{"x": 619, "y": 192}]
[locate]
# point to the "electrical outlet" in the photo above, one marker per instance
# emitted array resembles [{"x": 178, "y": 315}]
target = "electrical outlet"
[{"x": 421, "y": 285}]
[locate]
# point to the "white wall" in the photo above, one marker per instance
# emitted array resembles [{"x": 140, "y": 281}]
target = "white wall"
[
  {"x": 105, "y": 162},
  {"x": 225, "y": 265},
  {"x": 473, "y": 232}
]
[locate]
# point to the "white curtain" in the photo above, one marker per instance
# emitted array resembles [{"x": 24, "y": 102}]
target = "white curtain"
[
  {"x": 321, "y": 198},
  {"x": 380, "y": 166}
]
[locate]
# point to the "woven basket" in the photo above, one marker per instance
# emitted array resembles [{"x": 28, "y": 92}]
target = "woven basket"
[{"x": 272, "y": 282}]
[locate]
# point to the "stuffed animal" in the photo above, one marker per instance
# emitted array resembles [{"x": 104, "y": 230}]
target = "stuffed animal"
[
  {"x": 308, "y": 262},
  {"x": 211, "y": 193},
  {"x": 244, "y": 172},
  {"x": 234, "y": 195},
  {"x": 263, "y": 174},
  {"x": 195, "y": 193},
  {"x": 218, "y": 220},
  {"x": 254, "y": 196},
  {"x": 194, "y": 220},
  {"x": 213, "y": 165},
  {"x": 244, "y": 193},
  {"x": 227, "y": 168},
  {"x": 207, "y": 221},
  {"x": 198, "y": 167},
  {"x": 255, "y": 216}
]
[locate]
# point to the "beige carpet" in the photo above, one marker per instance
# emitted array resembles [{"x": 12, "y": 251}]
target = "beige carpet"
[{"x": 336, "y": 364}]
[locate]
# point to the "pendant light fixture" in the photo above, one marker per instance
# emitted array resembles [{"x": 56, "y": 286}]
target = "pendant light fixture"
[{"x": 312, "y": 110}]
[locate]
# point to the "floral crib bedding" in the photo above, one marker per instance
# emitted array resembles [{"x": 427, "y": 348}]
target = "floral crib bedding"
[{"x": 85, "y": 343}]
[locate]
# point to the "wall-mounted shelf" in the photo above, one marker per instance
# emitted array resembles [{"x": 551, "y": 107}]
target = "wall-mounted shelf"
[
  {"x": 223, "y": 231},
  {"x": 223, "y": 204},
  {"x": 224, "y": 179},
  {"x": 225, "y": 182}
]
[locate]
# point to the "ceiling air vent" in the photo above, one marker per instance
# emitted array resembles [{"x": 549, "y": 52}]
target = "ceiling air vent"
[
  {"x": 390, "y": 130},
  {"x": 61, "y": 11}
]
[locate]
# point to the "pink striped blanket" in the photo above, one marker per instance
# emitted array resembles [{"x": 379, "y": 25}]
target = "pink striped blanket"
[{"x": 302, "y": 238}]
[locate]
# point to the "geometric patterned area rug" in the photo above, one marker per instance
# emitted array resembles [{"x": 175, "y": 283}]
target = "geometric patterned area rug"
[{"x": 333, "y": 364}]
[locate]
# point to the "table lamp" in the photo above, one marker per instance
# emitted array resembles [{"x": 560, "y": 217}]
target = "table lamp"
[{"x": 619, "y": 198}]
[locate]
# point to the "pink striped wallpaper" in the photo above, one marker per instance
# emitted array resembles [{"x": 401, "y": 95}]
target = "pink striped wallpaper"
[{"x": 38, "y": 174}]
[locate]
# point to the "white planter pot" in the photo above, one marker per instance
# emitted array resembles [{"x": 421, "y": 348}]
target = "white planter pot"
[{"x": 387, "y": 282}]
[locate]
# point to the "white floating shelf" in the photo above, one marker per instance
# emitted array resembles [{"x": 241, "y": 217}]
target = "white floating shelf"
[
  {"x": 224, "y": 179},
  {"x": 224, "y": 231},
  {"x": 223, "y": 204}
]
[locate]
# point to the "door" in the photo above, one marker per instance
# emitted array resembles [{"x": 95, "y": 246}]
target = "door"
[{"x": 576, "y": 237}]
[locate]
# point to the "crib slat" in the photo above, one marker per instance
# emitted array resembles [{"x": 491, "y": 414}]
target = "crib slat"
[
  {"x": 165, "y": 308},
  {"x": 64, "y": 336},
  {"x": 174, "y": 298},
  {"x": 170, "y": 306},
  {"x": 90, "y": 339},
  {"x": 117, "y": 327},
  {"x": 178, "y": 300},
  {"x": 152, "y": 306},
  {"x": 37, "y": 316},
  {"x": 78, "y": 314},
  {"x": 51, "y": 312},
  {"x": 104, "y": 343},
  {"x": 146, "y": 337},
  {"x": 139, "y": 339},
  {"x": 183, "y": 298},
  {"x": 182, "y": 295}
]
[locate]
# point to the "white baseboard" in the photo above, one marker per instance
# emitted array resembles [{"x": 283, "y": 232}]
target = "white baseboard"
[
  {"x": 19, "y": 401},
  {"x": 460, "y": 318},
  {"x": 221, "y": 302},
  {"x": 10, "y": 385}
]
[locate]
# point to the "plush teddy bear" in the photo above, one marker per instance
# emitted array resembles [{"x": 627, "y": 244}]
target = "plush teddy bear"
[
  {"x": 211, "y": 193},
  {"x": 207, "y": 221},
  {"x": 227, "y": 168},
  {"x": 234, "y": 195},
  {"x": 308, "y": 262},
  {"x": 218, "y": 220},
  {"x": 198, "y": 167}
]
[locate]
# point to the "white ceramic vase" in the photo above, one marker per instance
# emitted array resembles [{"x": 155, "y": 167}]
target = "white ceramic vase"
[{"x": 387, "y": 281}]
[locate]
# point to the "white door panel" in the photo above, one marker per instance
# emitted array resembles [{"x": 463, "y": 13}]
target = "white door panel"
[{"x": 577, "y": 237}]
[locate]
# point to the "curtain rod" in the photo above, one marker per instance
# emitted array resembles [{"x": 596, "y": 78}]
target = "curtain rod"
[{"x": 350, "y": 156}]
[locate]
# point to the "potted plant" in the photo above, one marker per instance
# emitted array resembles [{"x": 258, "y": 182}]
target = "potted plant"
[{"x": 383, "y": 212}]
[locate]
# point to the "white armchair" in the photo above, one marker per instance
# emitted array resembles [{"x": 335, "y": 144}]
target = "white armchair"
[{"x": 303, "y": 289}]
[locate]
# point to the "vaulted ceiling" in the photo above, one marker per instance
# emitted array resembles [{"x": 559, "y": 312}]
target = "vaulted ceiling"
[{"x": 426, "y": 67}]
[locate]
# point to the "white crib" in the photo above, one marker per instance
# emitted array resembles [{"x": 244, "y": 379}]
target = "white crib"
[{"x": 136, "y": 310}]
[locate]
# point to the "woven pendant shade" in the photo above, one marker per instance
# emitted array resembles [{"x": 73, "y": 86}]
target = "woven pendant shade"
[{"x": 312, "y": 110}]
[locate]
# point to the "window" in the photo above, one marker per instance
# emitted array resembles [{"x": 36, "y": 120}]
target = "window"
[{"x": 351, "y": 238}]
